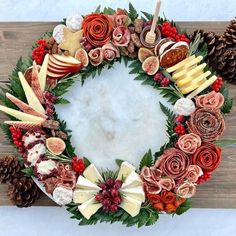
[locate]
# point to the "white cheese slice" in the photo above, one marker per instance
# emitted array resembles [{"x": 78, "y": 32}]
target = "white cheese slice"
[
  {"x": 84, "y": 183},
  {"x": 91, "y": 173},
  {"x": 131, "y": 205},
  {"x": 89, "y": 208},
  {"x": 43, "y": 73},
  {"x": 133, "y": 180},
  {"x": 32, "y": 99},
  {"x": 81, "y": 195},
  {"x": 21, "y": 115},
  {"x": 136, "y": 193},
  {"x": 125, "y": 170}
]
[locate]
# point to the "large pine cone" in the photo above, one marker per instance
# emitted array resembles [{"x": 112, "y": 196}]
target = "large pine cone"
[
  {"x": 23, "y": 192},
  {"x": 10, "y": 169},
  {"x": 216, "y": 45},
  {"x": 230, "y": 34}
]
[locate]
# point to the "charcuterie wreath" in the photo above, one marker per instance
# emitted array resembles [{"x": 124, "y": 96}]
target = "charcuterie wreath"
[{"x": 81, "y": 47}]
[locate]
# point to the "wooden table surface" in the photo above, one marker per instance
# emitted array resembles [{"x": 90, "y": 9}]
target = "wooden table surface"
[{"x": 16, "y": 39}]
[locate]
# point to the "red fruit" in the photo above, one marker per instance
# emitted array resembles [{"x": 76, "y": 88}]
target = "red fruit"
[
  {"x": 106, "y": 193},
  {"x": 106, "y": 208},
  {"x": 110, "y": 182},
  {"x": 78, "y": 165},
  {"x": 205, "y": 177},
  {"x": 106, "y": 202},
  {"x": 114, "y": 192},
  {"x": 103, "y": 186},
  {"x": 179, "y": 119},
  {"x": 114, "y": 208},
  {"x": 165, "y": 82},
  {"x": 180, "y": 129},
  {"x": 117, "y": 200},
  {"x": 118, "y": 184},
  {"x": 217, "y": 84},
  {"x": 158, "y": 77},
  {"x": 99, "y": 197}
]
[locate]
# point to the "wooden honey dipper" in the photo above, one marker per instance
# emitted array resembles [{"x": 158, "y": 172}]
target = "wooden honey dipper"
[{"x": 151, "y": 35}]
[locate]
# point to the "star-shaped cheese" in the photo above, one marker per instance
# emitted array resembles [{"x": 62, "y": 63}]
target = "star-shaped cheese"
[{"x": 71, "y": 41}]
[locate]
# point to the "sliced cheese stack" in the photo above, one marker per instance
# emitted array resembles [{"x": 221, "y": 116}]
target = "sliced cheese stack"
[
  {"x": 190, "y": 77},
  {"x": 87, "y": 187}
]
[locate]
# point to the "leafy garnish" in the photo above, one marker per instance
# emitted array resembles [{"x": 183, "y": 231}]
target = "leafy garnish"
[{"x": 147, "y": 160}]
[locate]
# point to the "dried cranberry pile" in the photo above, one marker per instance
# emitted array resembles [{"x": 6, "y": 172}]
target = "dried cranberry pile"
[{"x": 109, "y": 196}]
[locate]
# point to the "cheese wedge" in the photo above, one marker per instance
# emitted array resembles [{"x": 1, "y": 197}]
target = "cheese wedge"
[
  {"x": 125, "y": 170},
  {"x": 133, "y": 180},
  {"x": 180, "y": 64},
  {"x": 84, "y": 183},
  {"x": 90, "y": 207},
  {"x": 197, "y": 69},
  {"x": 32, "y": 99},
  {"x": 43, "y": 73},
  {"x": 136, "y": 193},
  {"x": 91, "y": 173},
  {"x": 81, "y": 195},
  {"x": 21, "y": 115},
  {"x": 205, "y": 85},
  {"x": 131, "y": 205}
]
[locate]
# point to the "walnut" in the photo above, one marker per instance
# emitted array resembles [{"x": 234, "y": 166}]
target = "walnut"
[
  {"x": 51, "y": 124},
  {"x": 136, "y": 40},
  {"x": 138, "y": 25}
]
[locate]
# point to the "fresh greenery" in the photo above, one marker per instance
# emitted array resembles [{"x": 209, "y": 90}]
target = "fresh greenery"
[
  {"x": 147, "y": 160},
  {"x": 225, "y": 142},
  {"x": 198, "y": 47},
  {"x": 183, "y": 207},
  {"x": 28, "y": 172},
  {"x": 147, "y": 216},
  {"x": 228, "y": 103},
  {"x": 133, "y": 14}
]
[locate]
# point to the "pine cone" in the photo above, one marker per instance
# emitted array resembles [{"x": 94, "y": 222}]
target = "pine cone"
[
  {"x": 10, "y": 169},
  {"x": 226, "y": 65},
  {"x": 23, "y": 192},
  {"x": 230, "y": 34}
]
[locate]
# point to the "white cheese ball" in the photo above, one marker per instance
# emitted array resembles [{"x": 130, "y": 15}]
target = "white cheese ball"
[
  {"x": 46, "y": 167},
  {"x": 184, "y": 106},
  {"x": 74, "y": 22},
  {"x": 35, "y": 152},
  {"x": 58, "y": 33},
  {"x": 62, "y": 195}
]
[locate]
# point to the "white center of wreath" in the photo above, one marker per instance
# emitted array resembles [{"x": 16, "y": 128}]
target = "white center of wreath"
[{"x": 113, "y": 117}]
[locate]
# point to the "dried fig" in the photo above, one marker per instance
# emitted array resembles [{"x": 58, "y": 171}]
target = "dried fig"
[
  {"x": 82, "y": 56},
  {"x": 151, "y": 65},
  {"x": 144, "y": 53}
]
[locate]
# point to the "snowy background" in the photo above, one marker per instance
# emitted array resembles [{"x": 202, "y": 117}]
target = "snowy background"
[{"x": 52, "y": 221}]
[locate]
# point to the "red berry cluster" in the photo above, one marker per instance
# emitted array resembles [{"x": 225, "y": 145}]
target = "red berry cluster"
[
  {"x": 17, "y": 138},
  {"x": 109, "y": 196},
  {"x": 78, "y": 165},
  {"x": 171, "y": 32},
  {"x": 203, "y": 178},
  {"x": 179, "y": 128},
  {"x": 217, "y": 84},
  {"x": 50, "y": 100},
  {"x": 161, "y": 79},
  {"x": 39, "y": 52}
]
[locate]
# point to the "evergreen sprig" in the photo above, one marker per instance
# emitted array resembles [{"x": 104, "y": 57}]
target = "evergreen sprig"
[
  {"x": 147, "y": 216},
  {"x": 228, "y": 103},
  {"x": 147, "y": 160},
  {"x": 133, "y": 14}
]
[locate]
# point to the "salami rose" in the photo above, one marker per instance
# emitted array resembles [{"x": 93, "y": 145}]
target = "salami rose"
[
  {"x": 186, "y": 190},
  {"x": 173, "y": 163},
  {"x": 110, "y": 52},
  {"x": 168, "y": 197},
  {"x": 97, "y": 29},
  {"x": 189, "y": 143},
  {"x": 96, "y": 56},
  {"x": 121, "y": 36},
  {"x": 212, "y": 100},
  {"x": 167, "y": 183},
  {"x": 208, "y": 157},
  {"x": 120, "y": 18},
  {"x": 207, "y": 123},
  {"x": 193, "y": 173}
]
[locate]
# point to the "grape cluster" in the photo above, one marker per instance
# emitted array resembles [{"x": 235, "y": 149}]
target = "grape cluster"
[
  {"x": 109, "y": 196},
  {"x": 161, "y": 79}
]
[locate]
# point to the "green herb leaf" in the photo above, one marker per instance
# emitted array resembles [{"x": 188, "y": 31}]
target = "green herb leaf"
[
  {"x": 28, "y": 172},
  {"x": 183, "y": 207},
  {"x": 147, "y": 160},
  {"x": 98, "y": 9},
  {"x": 133, "y": 14},
  {"x": 225, "y": 142},
  {"x": 119, "y": 162},
  {"x": 86, "y": 161},
  {"x": 62, "y": 101}
]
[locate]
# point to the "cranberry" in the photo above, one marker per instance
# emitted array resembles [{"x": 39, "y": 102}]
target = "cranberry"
[
  {"x": 117, "y": 200},
  {"x": 114, "y": 208},
  {"x": 165, "y": 82},
  {"x": 110, "y": 182},
  {"x": 118, "y": 184},
  {"x": 114, "y": 192},
  {"x": 99, "y": 197},
  {"x": 158, "y": 77},
  {"x": 106, "y": 193},
  {"x": 106, "y": 202},
  {"x": 179, "y": 119},
  {"x": 103, "y": 186}
]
